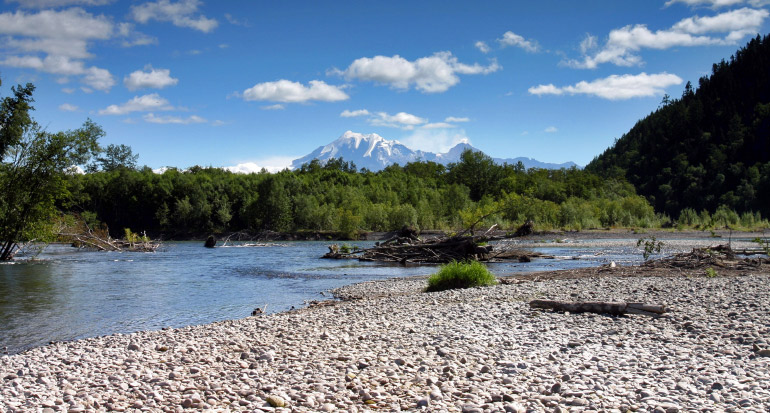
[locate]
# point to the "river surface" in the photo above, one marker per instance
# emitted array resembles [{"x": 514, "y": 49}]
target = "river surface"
[{"x": 66, "y": 294}]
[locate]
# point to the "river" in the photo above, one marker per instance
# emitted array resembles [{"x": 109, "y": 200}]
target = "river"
[{"x": 66, "y": 294}]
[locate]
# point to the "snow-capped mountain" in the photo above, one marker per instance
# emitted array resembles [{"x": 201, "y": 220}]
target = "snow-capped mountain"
[{"x": 373, "y": 152}]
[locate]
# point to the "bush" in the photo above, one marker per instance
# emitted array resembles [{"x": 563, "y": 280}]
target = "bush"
[{"x": 464, "y": 274}]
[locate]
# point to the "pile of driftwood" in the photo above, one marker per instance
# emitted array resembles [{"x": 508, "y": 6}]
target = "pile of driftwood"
[
  {"x": 90, "y": 240},
  {"x": 406, "y": 247},
  {"x": 699, "y": 258}
]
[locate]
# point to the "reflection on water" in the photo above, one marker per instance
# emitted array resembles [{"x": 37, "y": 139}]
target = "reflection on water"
[{"x": 67, "y": 294}]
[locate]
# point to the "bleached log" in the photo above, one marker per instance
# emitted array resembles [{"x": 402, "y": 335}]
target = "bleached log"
[{"x": 600, "y": 307}]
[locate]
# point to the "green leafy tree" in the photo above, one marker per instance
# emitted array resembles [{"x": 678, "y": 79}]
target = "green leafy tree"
[
  {"x": 115, "y": 157},
  {"x": 33, "y": 166}
]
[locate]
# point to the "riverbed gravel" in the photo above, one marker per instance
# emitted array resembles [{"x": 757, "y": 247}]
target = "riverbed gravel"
[{"x": 390, "y": 347}]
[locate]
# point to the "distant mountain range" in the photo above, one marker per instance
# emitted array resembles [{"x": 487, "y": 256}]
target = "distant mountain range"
[{"x": 373, "y": 152}]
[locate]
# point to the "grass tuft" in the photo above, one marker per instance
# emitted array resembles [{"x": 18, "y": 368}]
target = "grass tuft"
[{"x": 464, "y": 274}]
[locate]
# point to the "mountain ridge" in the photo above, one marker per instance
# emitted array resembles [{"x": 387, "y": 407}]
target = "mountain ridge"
[{"x": 373, "y": 152}]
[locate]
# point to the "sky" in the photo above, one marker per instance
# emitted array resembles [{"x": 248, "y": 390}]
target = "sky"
[{"x": 250, "y": 84}]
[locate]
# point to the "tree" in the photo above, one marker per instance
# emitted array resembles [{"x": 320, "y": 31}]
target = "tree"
[
  {"x": 33, "y": 165},
  {"x": 115, "y": 157}
]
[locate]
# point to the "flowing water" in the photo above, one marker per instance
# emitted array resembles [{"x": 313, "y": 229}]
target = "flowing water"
[{"x": 66, "y": 294}]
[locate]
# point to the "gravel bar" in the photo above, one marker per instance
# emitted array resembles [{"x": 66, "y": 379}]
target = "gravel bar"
[{"x": 390, "y": 347}]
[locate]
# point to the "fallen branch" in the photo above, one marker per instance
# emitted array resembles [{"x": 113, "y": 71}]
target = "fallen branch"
[{"x": 600, "y": 307}]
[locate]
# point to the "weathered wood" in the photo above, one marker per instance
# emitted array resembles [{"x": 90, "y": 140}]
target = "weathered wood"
[{"x": 600, "y": 307}]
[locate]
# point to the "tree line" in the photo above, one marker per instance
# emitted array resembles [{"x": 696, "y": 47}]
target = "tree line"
[{"x": 336, "y": 197}]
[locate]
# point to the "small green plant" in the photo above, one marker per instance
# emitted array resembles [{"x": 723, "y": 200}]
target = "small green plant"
[
  {"x": 464, "y": 274},
  {"x": 711, "y": 273},
  {"x": 763, "y": 243},
  {"x": 649, "y": 246}
]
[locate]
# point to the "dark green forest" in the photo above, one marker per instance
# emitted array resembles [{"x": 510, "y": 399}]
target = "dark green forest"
[
  {"x": 336, "y": 197},
  {"x": 708, "y": 149}
]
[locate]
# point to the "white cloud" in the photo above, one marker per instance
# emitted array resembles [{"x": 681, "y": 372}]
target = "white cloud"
[
  {"x": 551, "y": 129},
  {"x": 143, "y": 103},
  {"x": 181, "y": 13},
  {"x": 134, "y": 38},
  {"x": 62, "y": 37},
  {"x": 512, "y": 39},
  {"x": 66, "y": 107},
  {"x": 435, "y": 140},
  {"x": 290, "y": 92},
  {"x": 715, "y": 4},
  {"x": 589, "y": 43},
  {"x": 153, "y": 78},
  {"x": 482, "y": 46},
  {"x": 438, "y": 125},
  {"x": 354, "y": 113},
  {"x": 61, "y": 33},
  {"x": 68, "y": 90},
  {"x": 277, "y": 106},
  {"x": 99, "y": 79},
  {"x": 42, "y": 4},
  {"x": 151, "y": 118},
  {"x": 401, "y": 120},
  {"x": 273, "y": 164},
  {"x": 432, "y": 74},
  {"x": 615, "y": 87},
  {"x": 454, "y": 119},
  {"x": 623, "y": 44}
]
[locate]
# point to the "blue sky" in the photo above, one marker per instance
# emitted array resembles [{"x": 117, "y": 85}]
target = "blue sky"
[{"x": 258, "y": 83}]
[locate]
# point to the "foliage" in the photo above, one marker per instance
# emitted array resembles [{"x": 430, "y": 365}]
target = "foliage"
[
  {"x": 711, "y": 273},
  {"x": 708, "y": 149},
  {"x": 114, "y": 157},
  {"x": 763, "y": 243},
  {"x": 649, "y": 246},
  {"x": 33, "y": 169},
  {"x": 460, "y": 275}
]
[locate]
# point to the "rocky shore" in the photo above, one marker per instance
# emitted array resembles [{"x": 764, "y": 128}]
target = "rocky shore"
[{"x": 388, "y": 347}]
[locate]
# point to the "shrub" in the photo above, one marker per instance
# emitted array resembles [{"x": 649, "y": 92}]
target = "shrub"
[{"x": 464, "y": 274}]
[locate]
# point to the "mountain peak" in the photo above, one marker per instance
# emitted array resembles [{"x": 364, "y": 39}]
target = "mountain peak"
[{"x": 373, "y": 152}]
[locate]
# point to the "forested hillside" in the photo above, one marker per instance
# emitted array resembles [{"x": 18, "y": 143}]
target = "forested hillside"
[
  {"x": 336, "y": 197},
  {"x": 707, "y": 149}
]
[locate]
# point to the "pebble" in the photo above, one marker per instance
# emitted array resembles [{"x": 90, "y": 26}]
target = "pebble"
[{"x": 395, "y": 348}]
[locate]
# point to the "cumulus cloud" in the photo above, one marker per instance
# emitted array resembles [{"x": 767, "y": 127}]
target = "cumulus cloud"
[
  {"x": 623, "y": 44},
  {"x": 512, "y": 39},
  {"x": 143, "y": 103},
  {"x": 132, "y": 38},
  {"x": 551, "y": 129},
  {"x": 401, "y": 120},
  {"x": 183, "y": 13},
  {"x": 151, "y": 78},
  {"x": 615, "y": 87},
  {"x": 435, "y": 140},
  {"x": 715, "y": 4},
  {"x": 277, "y": 106},
  {"x": 291, "y": 92},
  {"x": 455, "y": 119},
  {"x": 438, "y": 125},
  {"x": 66, "y": 107},
  {"x": 354, "y": 113},
  {"x": 432, "y": 74},
  {"x": 56, "y": 42},
  {"x": 151, "y": 118},
  {"x": 99, "y": 79},
  {"x": 482, "y": 46}
]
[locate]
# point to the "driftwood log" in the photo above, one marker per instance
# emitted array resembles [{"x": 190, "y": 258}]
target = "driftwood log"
[{"x": 600, "y": 307}]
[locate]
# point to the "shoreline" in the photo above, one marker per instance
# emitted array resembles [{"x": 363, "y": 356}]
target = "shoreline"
[{"x": 386, "y": 345}]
